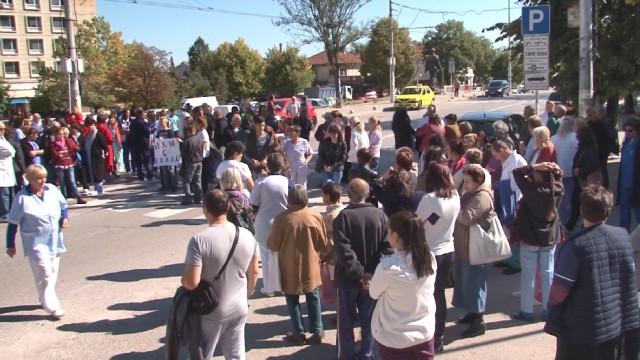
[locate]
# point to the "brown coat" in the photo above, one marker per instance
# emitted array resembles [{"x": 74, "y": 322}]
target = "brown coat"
[
  {"x": 475, "y": 208},
  {"x": 298, "y": 235}
]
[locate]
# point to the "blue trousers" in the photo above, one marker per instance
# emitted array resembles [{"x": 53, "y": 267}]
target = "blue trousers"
[
  {"x": 625, "y": 208},
  {"x": 5, "y": 201},
  {"x": 564, "y": 209},
  {"x": 334, "y": 177},
  {"x": 313, "y": 307},
  {"x": 470, "y": 291},
  {"x": 348, "y": 299}
]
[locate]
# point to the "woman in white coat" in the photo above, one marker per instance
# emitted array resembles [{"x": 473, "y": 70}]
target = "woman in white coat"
[
  {"x": 7, "y": 174},
  {"x": 269, "y": 197},
  {"x": 359, "y": 139}
]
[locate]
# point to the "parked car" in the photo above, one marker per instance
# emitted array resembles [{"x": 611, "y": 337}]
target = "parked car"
[
  {"x": 483, "y": 121},
  {"x": 415, "y": 97},
  {"x": 319, "y": 103},
  {"x": 371, "y": 95},
  {"x": 281, "y": 110},
  {"x": 498, "y": 88},
  {"x": 556, "y": 97}
]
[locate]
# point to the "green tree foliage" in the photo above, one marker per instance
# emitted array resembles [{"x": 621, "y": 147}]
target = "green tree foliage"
[
  {"x": 52, "y": 90},
  {"x": 616, "y": 53},
  {"x": 198, "y": 53},
  {"x": 242, "y": 67},
  {"x": 330, "y": 22},
  {"x": 468, "y": 50},
  {"x": 376, "y": 52},
  {"x": 4, "y": 96},
  {"x": 286, "y": 72},
  {"x": 148, "y": 78},
  {"x": 105, "y": 55},
  {"x": 500, "y": 67}
]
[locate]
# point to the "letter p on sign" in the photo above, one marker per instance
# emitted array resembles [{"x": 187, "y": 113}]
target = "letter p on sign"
[{"x": 536, "y": 20}]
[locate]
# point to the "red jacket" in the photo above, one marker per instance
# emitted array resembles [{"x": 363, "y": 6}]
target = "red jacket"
[
  {"x": 547, "y": 154},
  {"x": 58, "y": 159},
  {"x": 74, "y": 119},
  {"x": 426, "y": 132}
]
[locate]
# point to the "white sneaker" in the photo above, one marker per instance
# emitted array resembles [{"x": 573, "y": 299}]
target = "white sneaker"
[
  {"x": 58, "y": 314},
  {"x": 264, "y": 292},
  {"x": 516, "y": 294},
  {"x": 86, "y": 192}
]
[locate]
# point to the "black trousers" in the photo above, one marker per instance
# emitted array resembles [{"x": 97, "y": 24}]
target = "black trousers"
[
  {"x": 567, "y": 350},
  {"x": 575, "y": 204},
  {"x": 444, "y": 262}
]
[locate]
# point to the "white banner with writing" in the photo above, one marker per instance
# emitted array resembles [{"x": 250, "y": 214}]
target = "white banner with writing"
[{"x": 166, "y": 152}]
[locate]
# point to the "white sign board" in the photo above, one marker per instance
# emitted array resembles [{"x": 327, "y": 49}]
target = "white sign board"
[
  {"x": 536, "y": 64},
  {"x": 536, "y": 80},
  {"x": 166, "y": 152},
  {"x": 452, "y": 66}
]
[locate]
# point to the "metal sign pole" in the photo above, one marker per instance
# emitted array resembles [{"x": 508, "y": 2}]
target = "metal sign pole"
[{"x": 537, "y": 101}]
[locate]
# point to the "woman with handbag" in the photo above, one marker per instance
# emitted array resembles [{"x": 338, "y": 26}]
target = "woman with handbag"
[
  {"x": 537, "y": 228},
  {"x": 586, "y": 170},
  {"x": 470, "y": 291}
]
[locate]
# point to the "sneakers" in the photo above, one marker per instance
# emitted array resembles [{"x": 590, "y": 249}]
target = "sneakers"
[
  {"x": 296, "y": 339},
  {"x": 523, "y": 316},
  {"x": 58, "y": 314}
]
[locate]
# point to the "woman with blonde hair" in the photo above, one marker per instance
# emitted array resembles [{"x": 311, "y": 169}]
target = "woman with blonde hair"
[
  {"x": 359, "y": 139},
  {"x": 240, "y": 209},
  {"x": 375, "y": 141},
  {"x": 543, "y": 148}
]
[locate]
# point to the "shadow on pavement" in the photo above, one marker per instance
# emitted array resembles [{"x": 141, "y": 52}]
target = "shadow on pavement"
[
  {"x": 157, "y": 317},
  {"x": 493, "y": 341},
  {"x": 310, "y": 352},
  {"x": 175, "y": 222},
  {"x": 137, "y": 355},
  {"x": 141, "y": 274},
  {"x": 11, "y": 317},
  {"x": 18, "y": 308}
]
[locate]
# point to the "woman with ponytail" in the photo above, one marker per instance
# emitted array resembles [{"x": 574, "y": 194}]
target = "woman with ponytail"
[{"x": 403, "y": 321}]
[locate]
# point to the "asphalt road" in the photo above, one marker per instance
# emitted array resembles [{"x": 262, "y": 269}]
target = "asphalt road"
[{"x": 125, "y": 258}]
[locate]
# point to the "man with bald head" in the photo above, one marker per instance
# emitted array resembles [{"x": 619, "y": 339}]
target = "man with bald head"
[{"x": 360, "y": 237}]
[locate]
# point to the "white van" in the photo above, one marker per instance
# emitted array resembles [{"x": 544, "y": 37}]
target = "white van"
[{"x": 197, "y": 101}]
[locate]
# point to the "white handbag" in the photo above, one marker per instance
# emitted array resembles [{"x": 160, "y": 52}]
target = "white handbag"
[{"x": 488, "y": 246}]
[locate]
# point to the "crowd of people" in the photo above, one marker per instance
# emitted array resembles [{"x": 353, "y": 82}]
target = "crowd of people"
[{"x": 405, "y": 236}]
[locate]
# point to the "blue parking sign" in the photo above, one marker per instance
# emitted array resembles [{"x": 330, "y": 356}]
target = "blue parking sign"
[{"x": 536, "y": 20}]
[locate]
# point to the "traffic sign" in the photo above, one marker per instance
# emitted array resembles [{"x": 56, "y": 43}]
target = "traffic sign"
[
  {"x": 536, "y": 80},
  {"x": 452, "y": 66},
  {"x": 534, "y": 65},
  {"x": 536, "y": 20}
]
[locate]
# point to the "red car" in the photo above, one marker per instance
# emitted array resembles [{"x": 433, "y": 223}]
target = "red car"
[{"x": 281, "y": 110}]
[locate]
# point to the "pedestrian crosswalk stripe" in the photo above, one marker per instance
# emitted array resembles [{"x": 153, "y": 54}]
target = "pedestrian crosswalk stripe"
[{"x": 165, "y": 213}]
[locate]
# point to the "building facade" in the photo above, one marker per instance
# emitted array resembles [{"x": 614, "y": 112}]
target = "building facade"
[
  {"x": 348, "y": 68},
  {"x": 28, "y": 29}
]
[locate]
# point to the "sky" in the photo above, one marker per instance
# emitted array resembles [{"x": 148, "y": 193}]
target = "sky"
[{"x": 175, "y": 29}]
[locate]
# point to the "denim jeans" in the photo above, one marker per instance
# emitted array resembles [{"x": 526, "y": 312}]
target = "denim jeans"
[
  {"x": 66, "y": 180},
  {"x": 531, "y": 258},
  {"x": 347, "y": 300},
  {"x": 444, "y": 263},
  {"x": 191, "y": 181},
  {"x": 168, "y": 176},
  {"x": 373, "y": 165},
  {"x": 313, "y": 307},
  {"x": 626, "y": 195},
  {"x": 5, "y": 201},
  {"x": 126, "y": 151},
  {"x": 470, "y": 290},
  {"x": 564, "y": 209},
  {"x": 333, "y": 177}
]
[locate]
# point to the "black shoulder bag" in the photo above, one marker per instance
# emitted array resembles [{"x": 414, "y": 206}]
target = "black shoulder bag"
[{"x": 203, "y": 299}]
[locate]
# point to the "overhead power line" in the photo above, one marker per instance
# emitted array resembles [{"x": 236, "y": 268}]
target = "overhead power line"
[
  {"x": 449, "y": 12},
  {"x": 194, "y": 8}
]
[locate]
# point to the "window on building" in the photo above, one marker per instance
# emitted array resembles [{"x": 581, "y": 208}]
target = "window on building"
[
  {"x": 36, "y": 46},
  {"x": 6, "y": 4},
  {"x": 9, "y": 46},
  {"x": 342, "y": 72},
  {"x": 58, "y": 25},
  {"x": 58, "y": 66},
  {"x": 34, "y": 24},
  {"x": 32, "y": 4},
  {"x": 57, "y": 4},
  {"x": 35, "y": 67},
  {"x": 11, "y": 69},
  {"x": 7, "y": 24}
]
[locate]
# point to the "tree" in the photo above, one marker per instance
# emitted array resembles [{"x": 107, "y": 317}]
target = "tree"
[
  {"x": 331, "y": 22},
  {"x": 194, "y": 85},
  {"x": 377, "y": 50},
  {"x": 105, "y": 55},
  {"x": 616, "y": 52},
  {"x": 52, "y": 90},
  {"x": 286, "y": 72},
  {"x": 4, "y": 96},
  {"x": 242, "y": 67},
  {"x": 198, "y": 53},
  {"x": 147, "y": 77},
  {"x": 468, "y": 50},
  {"x": 500, "y": 67}
]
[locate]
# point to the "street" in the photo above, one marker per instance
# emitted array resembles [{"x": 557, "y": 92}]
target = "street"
[{"x": 124, "y": 262}]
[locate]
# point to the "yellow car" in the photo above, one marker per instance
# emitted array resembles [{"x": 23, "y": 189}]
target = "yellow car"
[{"x": 415, "y": 97}]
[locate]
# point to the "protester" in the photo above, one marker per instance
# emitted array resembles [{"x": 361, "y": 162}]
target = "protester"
[
  {"x": 403, "y": 132},
  {"x": 537, "y": 228},
  {"x": 232, "y": 160},
  {"x": 359, "y": 139},
  {"x": 403, "y": 283},
  {"x": 269, "y": 197},
  {"x": 629, "y": 175},
  {"x": 229, "y": 133},
  {"x": 566, "y": 146},
  {"x": 437, "y": 211},
  {"x": 397, "y": 192},
  {"x": 585, "y": 163},
  {"x": 200, "y": 124},
  {"x": 432, "y": 127},
  {"x": 359, "y": 233},
  {"x": 456, "y": 157},
  {"x": 96, "y": 148},
  {"x": 109, "y": 159},
  {"x": 594, "y": 301},
  {"x": 114, "y": 129},
  {"x": 240, "y": 209},
  {"x": 470, "y": 291},
  {"x": 18, "y": 162},
  {"x": 298, "y": 153},
  {"x": 298, "y": 236},
  {"x": 138, "y": 141},
  {"x": 206, "y": 253},
  {"x": 124, "y": 123},
  {"x": 31, "y": 148},
  {"x": 40, "y": 213},
  {"x": 332, "y": 155},
  {"x": 331, "y": 193},
  {"x": 543, "y": 148},
  {"x": 168, "y": 173},
  {"x": 191, "y": 151},
  {"x": 256, "y": 147},
  {"x": 63, "y": 154},
  {"x": 7, "y": 175}
]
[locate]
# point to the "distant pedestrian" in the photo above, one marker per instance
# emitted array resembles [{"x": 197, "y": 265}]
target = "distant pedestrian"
[
  {"x": 456, "y": 87},
  {"x": 299, "y": 153},
  {"x": 96, "y": 148},
  {"x": 375, "y": 141},
  {"x": 191, "y": 152},
  {"x": 629, "y": 175},
  {"x": 403, "y": 131}
]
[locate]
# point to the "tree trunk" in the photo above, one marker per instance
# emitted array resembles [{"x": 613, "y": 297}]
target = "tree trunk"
[{"x": 333, "y": 62}]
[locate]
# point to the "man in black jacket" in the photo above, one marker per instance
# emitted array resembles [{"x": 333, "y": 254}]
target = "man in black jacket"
[
  {"x": 593, "y": 304},
  {"x": 138, "y": 140},
  {"x": 191, "y": 152},
  {"x": 360, "y": 237}
]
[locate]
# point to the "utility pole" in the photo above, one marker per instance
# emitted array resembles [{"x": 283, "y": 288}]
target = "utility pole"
[
  {"x": 392, "y": 59},
  {"x": 586, "y": 59},
  {"x": 509, "y": 74},
  {"x": 74, "y": 84}
]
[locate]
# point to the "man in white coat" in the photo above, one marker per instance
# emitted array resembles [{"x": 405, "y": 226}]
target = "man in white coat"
[{"x": 7, "y": 174}]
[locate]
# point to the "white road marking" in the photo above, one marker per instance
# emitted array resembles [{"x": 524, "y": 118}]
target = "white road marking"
[{"x": 165, "y": 213}]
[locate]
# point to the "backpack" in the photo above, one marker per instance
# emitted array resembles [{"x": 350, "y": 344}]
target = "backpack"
[{"x": 240, "y": 216}]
